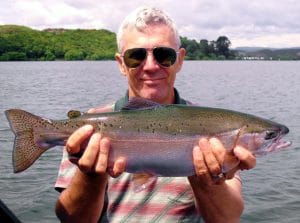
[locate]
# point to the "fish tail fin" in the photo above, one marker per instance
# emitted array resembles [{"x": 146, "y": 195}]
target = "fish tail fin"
[{"x": 26, "y": 149}]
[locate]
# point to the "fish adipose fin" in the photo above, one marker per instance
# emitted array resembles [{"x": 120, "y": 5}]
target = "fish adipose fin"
[
  {"x": 137, "y": 103},
  {"x": 26, "y": 150}
]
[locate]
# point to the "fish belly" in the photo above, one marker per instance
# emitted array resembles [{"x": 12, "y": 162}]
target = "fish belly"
[{"x": 156, "y": 155}]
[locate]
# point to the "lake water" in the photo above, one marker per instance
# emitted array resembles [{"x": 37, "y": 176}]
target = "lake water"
[{"x": 265, "y": 88}]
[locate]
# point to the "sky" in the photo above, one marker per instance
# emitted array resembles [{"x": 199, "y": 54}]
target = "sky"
[{"x": 259, "y": 23}]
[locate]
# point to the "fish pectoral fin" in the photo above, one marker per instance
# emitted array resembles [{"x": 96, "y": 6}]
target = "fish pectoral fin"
[
  {"x": 230, "y": 162},
  {"x": 142, "y": 181}
]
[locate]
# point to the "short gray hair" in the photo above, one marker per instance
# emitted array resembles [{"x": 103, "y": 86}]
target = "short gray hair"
[{"x": 143, "y": 17}]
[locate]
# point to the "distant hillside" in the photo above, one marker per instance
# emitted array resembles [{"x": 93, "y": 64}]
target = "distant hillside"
[
  {"x": 260, "y": 53},
  {"x": 23, "y": 43},
  {"x": 19, "y": 43}
]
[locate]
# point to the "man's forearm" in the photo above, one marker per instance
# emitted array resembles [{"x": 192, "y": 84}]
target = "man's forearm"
[
  {"x": 83, "y": 200},
  {"x": 218, "y": 203}
]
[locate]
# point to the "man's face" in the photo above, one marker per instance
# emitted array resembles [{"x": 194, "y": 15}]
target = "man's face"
[{"x": 150, "y": 80}]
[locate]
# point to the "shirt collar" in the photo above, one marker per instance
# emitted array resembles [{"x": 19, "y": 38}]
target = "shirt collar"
[{"x": 124, "y": 100}]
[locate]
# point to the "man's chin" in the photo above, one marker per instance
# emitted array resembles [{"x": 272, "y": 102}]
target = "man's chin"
[{"x": 154, "y": 95}]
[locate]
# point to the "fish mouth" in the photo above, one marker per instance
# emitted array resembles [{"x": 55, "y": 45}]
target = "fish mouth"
[
  {"x": 278, "y": 143},
  {"x": 273, "y": 141}
]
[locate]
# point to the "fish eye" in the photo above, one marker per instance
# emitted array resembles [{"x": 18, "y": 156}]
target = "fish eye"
[{"x": 271, "y": 135}]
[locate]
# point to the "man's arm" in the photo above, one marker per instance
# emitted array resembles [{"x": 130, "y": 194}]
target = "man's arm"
[
  {"x": 221, "y": 200},
  {"x": 83, "y": 199}
]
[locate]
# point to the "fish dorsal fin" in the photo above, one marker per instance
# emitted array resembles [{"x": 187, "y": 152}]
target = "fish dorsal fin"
[
  {"x": 74, "y": 114},
  {"x": 137, "y": 103}
]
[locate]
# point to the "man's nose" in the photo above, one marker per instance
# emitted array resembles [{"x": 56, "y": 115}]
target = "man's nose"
[{"x": 150, "y": 62}]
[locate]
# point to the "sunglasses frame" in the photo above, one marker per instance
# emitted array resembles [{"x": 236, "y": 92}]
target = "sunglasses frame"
[{"x": 139, "y": 63}]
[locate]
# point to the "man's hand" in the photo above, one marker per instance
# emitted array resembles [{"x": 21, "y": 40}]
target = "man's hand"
[
  {"x": 209, "y": 156},
  {"x": 95, "y": 152}
]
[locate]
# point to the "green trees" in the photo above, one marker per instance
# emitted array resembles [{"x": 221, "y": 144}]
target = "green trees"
[
  {"x": 205, "y": 50},
  {"x": 222, "y": 47},
  {"x": 23, "y": 43}
]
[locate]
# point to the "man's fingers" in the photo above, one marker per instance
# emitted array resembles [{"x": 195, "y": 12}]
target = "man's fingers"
[
  {"x": 218, "y": 150},
  {"x": 200, "y": 166},
  {"x": 247, "y": 159},
  {"x": 77, "y": 138},
  {"x": 102, "y": 162},
  {"x": 118, "y": 167},
  {"x": 87, "y": 161},
  {"x": 211, "y": 161}
]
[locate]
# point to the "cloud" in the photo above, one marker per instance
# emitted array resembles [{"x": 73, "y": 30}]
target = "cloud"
[{"x": 269, "y": 22}]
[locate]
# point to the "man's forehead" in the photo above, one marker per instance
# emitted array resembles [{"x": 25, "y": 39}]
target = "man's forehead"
[{"x": 156, "y": 34}]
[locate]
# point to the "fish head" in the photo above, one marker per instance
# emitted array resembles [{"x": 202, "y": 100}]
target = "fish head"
[
  {"x": 259, "y": 136},
  {"x": 263, "y": 139}
]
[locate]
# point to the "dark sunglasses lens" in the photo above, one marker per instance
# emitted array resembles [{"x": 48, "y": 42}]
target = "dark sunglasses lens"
[
  {"x": 165, "y": 56},
  {"x": 134, "y": 57}
]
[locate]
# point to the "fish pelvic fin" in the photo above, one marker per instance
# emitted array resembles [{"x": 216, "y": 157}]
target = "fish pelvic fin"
[
  {"x": 26, "y": 149},
  {"x": 143, "y": 181}
]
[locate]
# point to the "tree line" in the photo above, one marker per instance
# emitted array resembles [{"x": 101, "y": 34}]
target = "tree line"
[
  {"x": 208, "y": 50},
  {"x": 19, "y": 43}
]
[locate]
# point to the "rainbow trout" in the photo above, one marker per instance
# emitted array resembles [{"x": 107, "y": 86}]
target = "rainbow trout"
[{"x": 156, "y": 139}]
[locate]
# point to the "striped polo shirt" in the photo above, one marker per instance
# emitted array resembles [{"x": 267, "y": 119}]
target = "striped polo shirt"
[{"x": 156, "y": 199}]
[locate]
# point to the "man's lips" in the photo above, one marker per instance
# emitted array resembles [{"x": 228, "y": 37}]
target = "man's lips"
[{"x": 152, "y": 80}]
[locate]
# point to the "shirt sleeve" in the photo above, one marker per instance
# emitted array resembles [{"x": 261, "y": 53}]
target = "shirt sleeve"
[{"x": 66, "y": 172}]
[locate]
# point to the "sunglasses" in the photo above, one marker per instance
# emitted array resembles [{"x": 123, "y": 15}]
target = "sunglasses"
[{"x": 165, "y": 56}]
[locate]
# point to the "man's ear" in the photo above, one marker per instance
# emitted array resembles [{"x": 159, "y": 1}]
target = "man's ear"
[
  {"x": 122, "y": 66},
  {"x": 180, "y": 58}
]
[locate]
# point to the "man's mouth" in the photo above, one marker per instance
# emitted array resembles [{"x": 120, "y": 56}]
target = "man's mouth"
[{"x": 152, "y": 80}]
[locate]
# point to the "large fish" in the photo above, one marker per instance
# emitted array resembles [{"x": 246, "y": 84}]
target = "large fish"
[{"x": 156, "y": 139}]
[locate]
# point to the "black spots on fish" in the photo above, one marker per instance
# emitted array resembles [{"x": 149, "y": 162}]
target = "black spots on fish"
[
  {"x": 149, "y": 128},
  {"x": 72, "y": 124},
  {"x": 111, "y": 125},
  {"x": 65, "y": 124},
  {"x": 56, "y": 127}
]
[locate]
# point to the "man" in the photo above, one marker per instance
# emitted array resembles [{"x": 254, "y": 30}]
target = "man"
[{"x": 149, "y": 57}]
